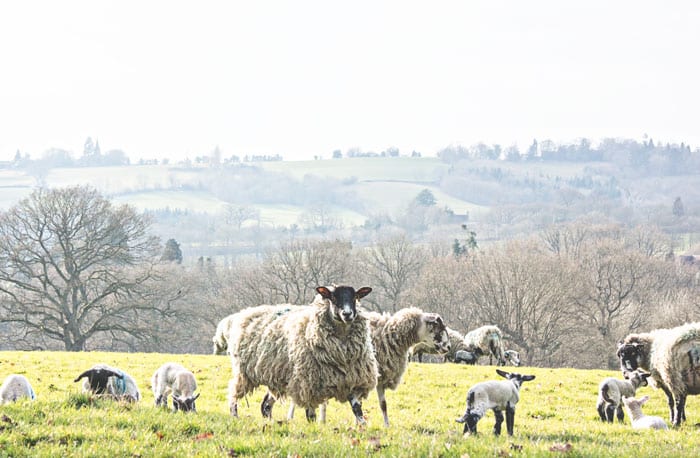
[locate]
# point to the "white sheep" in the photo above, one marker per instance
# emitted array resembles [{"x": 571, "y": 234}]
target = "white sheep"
[
  {"x": 612, "y": 390},
  {"x": 512, "y": 357},
  {"x": 220, "y": 338},
  {"x": 456, "y": 344},
  {"x": 110, "y": 381},
  {"x": 468, "y": 357},
  {"x": 486, "y": 340},
  {"x": 172, "y": 378},
  {"x": 672, "y": 356},
  {"x": 310, "y": 353},
  {"x": 14, "y": 388},
  {"x": 498, "y": 395},
  {"x": 392, "y": 337},
  {"x": 639, "y": 420}
]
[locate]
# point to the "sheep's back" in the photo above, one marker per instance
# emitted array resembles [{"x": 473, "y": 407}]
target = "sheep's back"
[
  {"x": 493, "y": 393},
  {"x": 675, "y": 359}
]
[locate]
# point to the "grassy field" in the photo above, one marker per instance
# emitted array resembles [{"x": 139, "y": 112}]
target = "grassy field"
[{"x": 556, "y": 414}]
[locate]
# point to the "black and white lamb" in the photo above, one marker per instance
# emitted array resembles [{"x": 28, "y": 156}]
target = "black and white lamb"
[
  {"x": 498, "y": 395},
  {"x": 392, "y": 337},
  {"x": 103, "y": 379},
  {"x": 16, "y": 387},
  {"x": 486, "y": 340},
  {"x": 612, "y": 390},
  {"x": 172, "y": 378},
  {"x": 639, "y": 420},
  {"x": 672, "y": 356},
  {"x": 310, "y": 353}
]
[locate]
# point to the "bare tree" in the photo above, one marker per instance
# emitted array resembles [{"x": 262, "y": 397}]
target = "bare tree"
[{"x": 73, "y": 267}]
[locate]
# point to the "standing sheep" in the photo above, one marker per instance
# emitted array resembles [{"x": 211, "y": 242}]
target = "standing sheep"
[
  {"x": 104, "y": 379},
  {"x": 456, "y": 344},
  {"x": 612, "y": 390},
  {"x": 672, "y": 356},
  {"x": 310, "y": 353},
  {"x": 15, "y": 387},
  {"x": 639, "y": 420},
  {"x": 486, "y": 340},
  {"x": 220, "y": 338},
  {"x": 497, "y": 395},
  {"x": 174, "y": 378}
]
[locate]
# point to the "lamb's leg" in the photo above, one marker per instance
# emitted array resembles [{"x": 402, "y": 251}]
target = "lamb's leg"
[
  {"x": 357, "y": 409},
  {"x": 620, "y": 414},
  {"x": 382, "y": 404},
  {"x": 600, "y": 407},
  {"x": 266, "y": 405},
  {"x": 499, "y": 420},
  {"x": 510, "y": 419},
  {"x": 680, "y": 410}
]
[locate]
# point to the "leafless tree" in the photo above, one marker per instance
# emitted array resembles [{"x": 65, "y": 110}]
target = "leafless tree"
[{"x": 73, "y": 267}]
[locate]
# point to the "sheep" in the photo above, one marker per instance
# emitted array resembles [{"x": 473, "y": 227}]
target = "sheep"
[
  {"x": 639, "y": 420},
  {"x": 172, "y": 378},
  {"x": 496, "y": 395},
  {"x": 486, "y": 340},
  {"x": 392, "y": 337},
  {"x": 103, "y": 379},
  {"x": 14, "y": 388},
  {"x": 310, "y": 353},
  {"x": 672, "y": 356},
  {"x": 456, "y": 344},
  {"x": 220, "y": 338},
  {"x": 467, "y": 357},
  {"x": 512, "y": 357},
  {"x": 612, "y": 390}
]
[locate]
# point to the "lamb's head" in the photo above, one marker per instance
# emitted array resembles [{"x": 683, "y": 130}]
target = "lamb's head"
[
  {"x": 633, "y": 353},
  {"x": 436, "y": 336},
  {"x": 343, "y": 300},
  {"x": 515, "y": 378},
  {"x": 186, "y": 404},
  {"x": 98, "y": 378},
  {"x": 635, "y": 405},
  {"x": 637, "y": 378}
]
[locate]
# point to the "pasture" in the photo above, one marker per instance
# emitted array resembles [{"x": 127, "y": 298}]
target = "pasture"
[{"x": 556, "y": 415}]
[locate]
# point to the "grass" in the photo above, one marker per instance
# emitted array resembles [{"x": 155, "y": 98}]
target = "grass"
[{"x": 556, "y": 412}]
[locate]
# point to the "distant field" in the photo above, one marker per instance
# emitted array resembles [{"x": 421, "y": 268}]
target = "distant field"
[{"x": 556, "y": 413}]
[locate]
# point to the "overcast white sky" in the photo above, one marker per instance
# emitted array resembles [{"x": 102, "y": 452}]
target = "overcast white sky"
[{"x": 302, "y": 78}]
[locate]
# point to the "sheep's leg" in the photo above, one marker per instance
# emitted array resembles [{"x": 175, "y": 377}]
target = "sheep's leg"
[
  {"x": 322, "y": 412},
  {"x": 510, "y": 419},
  {"x": 680, "y": 410},
  {"x": 266, "y": 405},
  {"x": 382, "y": 404},
  {"x": 620, "y": 414},
  {"x": 311, "y": 414},
  {"x": 233, "y": 396},
  {"x": 671, "y": 404},
  {"x": 290, "y": 412},
  {"x": 600, "y": 407},
  {"x": 357, "y": 409},
  {"x": 499, "y": 421}
]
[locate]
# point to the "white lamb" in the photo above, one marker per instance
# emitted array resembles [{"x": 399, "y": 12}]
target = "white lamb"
[
  {"x": 612, "y": 390},
  {"x": 15, "y": 387},
  {"x": 639, "y": 420},
  {"x": 496, "y": 395},
  {"x": 172, "y": 378},
  {"x": 108, "y": 380}
]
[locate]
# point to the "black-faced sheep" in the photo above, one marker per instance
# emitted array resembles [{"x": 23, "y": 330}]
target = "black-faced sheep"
[
  {"x": 104, "y": 379},
  {"x": 392, "y": 337},
  {"x": 612, "y": 390},
  {"x": 496, "y": 395},
  {"x": 310, "y": 353},
  {"x": 15, "y": 387},
  {"x": 172, "y": 378},
  {"x": 672, "y": 356},
  {"x": 639, "y": 420}
]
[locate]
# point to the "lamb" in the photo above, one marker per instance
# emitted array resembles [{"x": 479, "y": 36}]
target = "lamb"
[
  {"x": 392, "y": 337},
  {"x": 672, "y": 356},
  {"x": 612, "y": 390},
  {"x": 103, "y": 379},
  {"x": 456, "y": 344},
  {"x": 639, "y": 420},
  {"x": 310, "y": 353},
  {"x": 174, "y": 378},
  {"x": 496, "y": 395},
  {"x": 14, "y": 388},
  {"x": 486, "y": 340}
]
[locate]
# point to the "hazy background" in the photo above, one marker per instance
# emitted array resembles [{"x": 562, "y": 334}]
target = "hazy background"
[{"x": 176, "y": 79}]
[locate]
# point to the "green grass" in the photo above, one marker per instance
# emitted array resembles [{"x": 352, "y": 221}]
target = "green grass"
[{"x": 557, "y": 410}]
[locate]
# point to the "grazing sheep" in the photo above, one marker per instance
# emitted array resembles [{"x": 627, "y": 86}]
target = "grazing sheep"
[
  {"x": 672, "y": 356},
  {"x": 612, "y": 390},
  {"x": 174, "y": 378},
  {"x": 486, "y": 340},
  {"x": 220, "y": 338},
  {"x": 456, "y": 344},
  {"x": 15, "y": 387},
  {"x": 392, "y": 337},
  {"x": 113, "y": 382},
  {"x": 639, "y": 420},
  {"x": 496, "y": 395},
  {"x": 310, "y": 353}
]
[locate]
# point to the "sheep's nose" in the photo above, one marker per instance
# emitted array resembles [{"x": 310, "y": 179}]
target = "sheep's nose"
[{"x": 347, "y": 315}]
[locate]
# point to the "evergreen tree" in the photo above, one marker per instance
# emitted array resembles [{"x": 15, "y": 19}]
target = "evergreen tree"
[
  {"x": 678, "y": 210},
  {"x": 172, "y": 252}
]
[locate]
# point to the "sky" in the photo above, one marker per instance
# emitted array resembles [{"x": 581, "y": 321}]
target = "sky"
[{"x": 175, "y": 79}]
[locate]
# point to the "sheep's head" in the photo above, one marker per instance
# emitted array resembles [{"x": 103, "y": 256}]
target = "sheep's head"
[
  {"x": 632, "y": 354},
  {"x": 98, "y": 378},
  {"x": 344, "y": 301},
  {"x": 185, "y": 404},
  {"x": 514, "y": 377},
  {"x": 436, "y": 336},
  {"x": 512, "y": 356}
]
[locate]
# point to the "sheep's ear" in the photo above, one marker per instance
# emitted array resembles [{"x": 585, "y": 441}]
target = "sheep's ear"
[
  {"x": 84, "y": 374},
  {"x": 643, "y": 399},
  {"x": 362, "y": 292},
  {"x": 527, "y": 378},
  {"x": 324, "y": 292},
  {"x": 502, "y": 373},
  {"x": 196, "y": 396}
]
